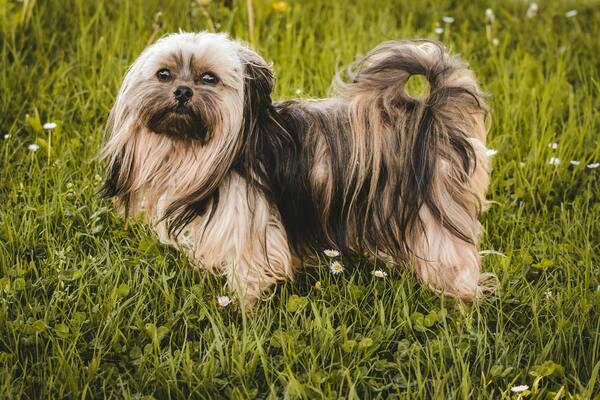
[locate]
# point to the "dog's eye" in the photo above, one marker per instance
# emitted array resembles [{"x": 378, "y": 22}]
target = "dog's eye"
[
  {"x": 208, "y": 78},
  {"x": 163, "y": 75}
]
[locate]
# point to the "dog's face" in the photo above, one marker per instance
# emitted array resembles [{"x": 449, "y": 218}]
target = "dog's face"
[{"x": 187, "y": 86}]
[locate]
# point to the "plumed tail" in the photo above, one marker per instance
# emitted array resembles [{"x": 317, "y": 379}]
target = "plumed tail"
[{"x": 418, "y": 152}]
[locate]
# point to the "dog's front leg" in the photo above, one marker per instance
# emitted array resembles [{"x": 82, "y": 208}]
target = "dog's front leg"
[{"x": 244, "y": 240}]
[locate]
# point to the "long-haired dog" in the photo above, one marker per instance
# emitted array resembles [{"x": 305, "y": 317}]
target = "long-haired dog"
[{"x": 251, "y": 188}]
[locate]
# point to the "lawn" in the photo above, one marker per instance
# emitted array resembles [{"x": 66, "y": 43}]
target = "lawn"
[{"x": 92, "y": 308}]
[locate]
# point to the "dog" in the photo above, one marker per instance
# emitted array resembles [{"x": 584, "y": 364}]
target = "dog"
[{"x": 251, "y": 189}]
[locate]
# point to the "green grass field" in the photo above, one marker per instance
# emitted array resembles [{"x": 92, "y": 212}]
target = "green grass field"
[{"x": 90, "y": 308}]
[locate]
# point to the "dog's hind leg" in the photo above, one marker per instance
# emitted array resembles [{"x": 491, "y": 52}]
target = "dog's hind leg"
[{"x": 446, "y": 262}]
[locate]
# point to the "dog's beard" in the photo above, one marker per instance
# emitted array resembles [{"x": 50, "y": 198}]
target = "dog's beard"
[{"x": 179, "y": 121}]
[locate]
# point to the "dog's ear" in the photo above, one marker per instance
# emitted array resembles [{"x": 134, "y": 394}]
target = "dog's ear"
[
  {"x": 258, "y": 85},
  {"x": 120, "y": 144},
  {"x": 119, "y": 154}
]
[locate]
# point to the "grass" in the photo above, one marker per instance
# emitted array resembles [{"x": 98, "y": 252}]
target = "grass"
[{"x": 90, "y": 308}]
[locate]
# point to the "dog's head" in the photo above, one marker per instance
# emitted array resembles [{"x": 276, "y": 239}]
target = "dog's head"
[
  {"x": 181, "y": 118},
  {"x": 193, "y": 85}
]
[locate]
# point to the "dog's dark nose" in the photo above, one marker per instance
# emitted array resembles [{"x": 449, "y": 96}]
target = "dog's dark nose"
[{"x": 183, "y": 94}]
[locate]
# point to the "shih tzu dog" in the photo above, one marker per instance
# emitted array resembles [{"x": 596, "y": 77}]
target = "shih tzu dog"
[{"x": 250, "y": 188}]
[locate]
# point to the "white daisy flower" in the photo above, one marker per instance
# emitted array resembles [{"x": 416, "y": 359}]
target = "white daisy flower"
[
  {"x": 593, "y": 165},
  {"x": 331, "y": 253},
  {"x": 489, "y": 15},
  {"x": 532, "y": 10},
  {"x": 548, "y": 293},
  {"x": 298, "y": 92},
  {"x": 223, "y": 301},
  {"x": 554, "y": 161},
  {"x": 575, "y": 162},
  {"x": 379, "y": 273},
  {"x": 520, "y": 388},
  {"x": 571, "y": 13},
  {"x": 336, "y": 267},
  {"x": 438, "y": 30},
  {"x": 553, "y": 146},
  {"x": 495, "y": 41},
  {"x": 49, "y": 125},
  {"x": 33, "y": 147},
  {"x": 447, "y": 19},
  {"x": 6, "y": 137},
  {"x": 491, "y": 152}
]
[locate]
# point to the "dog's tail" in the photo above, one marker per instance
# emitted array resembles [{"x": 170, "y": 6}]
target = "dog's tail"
[{"x": 428, "y": 152}]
